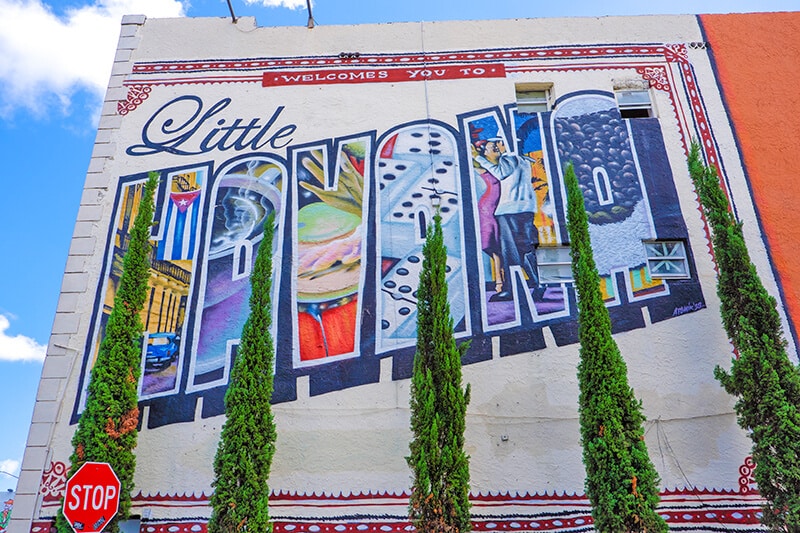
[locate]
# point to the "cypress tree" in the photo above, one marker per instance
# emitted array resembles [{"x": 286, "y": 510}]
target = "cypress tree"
[
  {"x": 244, "y": 455},
  {"x": 107, "y": 429},
  {"x": 621, "y": 482},
  {"x": 440, "y": 493},
  {"x": 763, "y": 379}
]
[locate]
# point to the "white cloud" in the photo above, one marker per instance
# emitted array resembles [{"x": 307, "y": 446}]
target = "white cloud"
[
  {"x": 10, "y": 466},
  {"x": 18, "y": 348},
  {"x": 45, "y": 58},
  {"x": 291, "y": 4}
]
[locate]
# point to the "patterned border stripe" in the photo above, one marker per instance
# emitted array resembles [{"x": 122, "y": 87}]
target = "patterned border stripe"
[{"x": 523, "y": 54}]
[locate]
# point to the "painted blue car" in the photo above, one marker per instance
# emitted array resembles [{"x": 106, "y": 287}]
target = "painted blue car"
[{"x": 162, "y": 350}]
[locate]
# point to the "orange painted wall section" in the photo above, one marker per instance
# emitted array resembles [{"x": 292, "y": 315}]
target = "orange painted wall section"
[{"x": 758, "y": 66}]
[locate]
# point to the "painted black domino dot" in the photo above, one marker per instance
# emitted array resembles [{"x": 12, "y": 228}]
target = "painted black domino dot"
[
  {"x": 402, "y": 271},
  {"x": 447, "y": 163},
  {"x": 405, "y": 289},
  {"x": 397, "y": 214},
  {"x": 416, "y": 195},
  {"x": 414, "y": 150},
  {"x": 408, "y": 204},
  {"x": 441, "y": 171},
  {"x": 447, "y": 268},
  {"x": 404, "y": 311},
  {"x": 385, "y": 324},
  {"x": 413, "y": 259},
  {"x": 389, "y": 284},
  {"x": 452, "y": 201},
  {"x": 416, "y": 134}
]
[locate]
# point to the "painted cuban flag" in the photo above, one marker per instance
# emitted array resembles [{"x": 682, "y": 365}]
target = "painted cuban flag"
[{"x": 183, "y": 208}]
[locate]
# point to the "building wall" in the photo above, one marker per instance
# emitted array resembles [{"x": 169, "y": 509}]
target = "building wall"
[
  {"x": 757, "y": 76},
  {"x": 352, "y": 136}
]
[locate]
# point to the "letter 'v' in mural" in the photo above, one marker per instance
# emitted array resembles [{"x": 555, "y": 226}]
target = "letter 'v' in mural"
[{"x": 351, "y": 215}]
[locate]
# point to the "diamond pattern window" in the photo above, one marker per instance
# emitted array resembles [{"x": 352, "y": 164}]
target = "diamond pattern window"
[{"x": 667, "y": 259}]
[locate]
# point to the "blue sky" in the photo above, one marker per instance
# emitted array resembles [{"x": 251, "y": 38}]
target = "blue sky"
[{"x": 55, "y": 60}]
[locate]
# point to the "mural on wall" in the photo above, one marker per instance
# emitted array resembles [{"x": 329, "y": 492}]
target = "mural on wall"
[
  {"x": 357, "y": 211},
  {"x": 328, "y": 242},
  {"x": 344, "y": 299},
  {"x": 5, "y": 512}
]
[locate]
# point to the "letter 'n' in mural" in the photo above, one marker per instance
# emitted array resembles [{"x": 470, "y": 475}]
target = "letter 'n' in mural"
[{"x": 514, "y": 211}]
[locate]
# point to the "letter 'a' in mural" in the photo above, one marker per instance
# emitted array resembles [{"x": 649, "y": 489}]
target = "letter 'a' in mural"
[
  {"x": 418, "y": 172},
  {"x": 245, "y": 192}
]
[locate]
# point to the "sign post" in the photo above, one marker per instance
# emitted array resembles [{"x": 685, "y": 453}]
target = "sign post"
[{"x": 92, "y": 497}]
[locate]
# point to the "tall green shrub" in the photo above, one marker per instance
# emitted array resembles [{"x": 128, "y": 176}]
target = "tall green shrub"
[
  {"x": 765, "y": 382},
  {"x": 621, "y": 482},
  {"x": 440, "y": 493},
  {"x": 107, "y": 429},
  {"x": 244, "y": 456}
]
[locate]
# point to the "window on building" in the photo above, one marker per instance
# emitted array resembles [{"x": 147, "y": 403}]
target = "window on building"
[
  {"x": 532, "y": 97},
  {"x": 634, "y": 103},
  {"x": 554, "y": 263},
  {"x": 667, "y": 259}
]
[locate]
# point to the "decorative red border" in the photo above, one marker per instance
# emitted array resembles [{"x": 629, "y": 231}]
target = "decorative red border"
[
  {"x": 136, "y": 95},
  {"x": 718, "y": 517},
  {"x": 521, "y": 54}
]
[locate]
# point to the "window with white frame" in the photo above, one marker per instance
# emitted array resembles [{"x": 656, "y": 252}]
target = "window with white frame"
[
  {"x": 667, "y": 259},
  {"x": 554, "y": 264},
  {"x": 634, "y": 103},
  {"x": 532, "y": 97}
]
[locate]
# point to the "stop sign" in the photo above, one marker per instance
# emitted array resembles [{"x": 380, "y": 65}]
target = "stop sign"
[{"x": 92, "y": 497}]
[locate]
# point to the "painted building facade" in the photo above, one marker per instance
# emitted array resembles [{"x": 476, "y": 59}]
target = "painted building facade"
[{"x": 354, "y": 136}]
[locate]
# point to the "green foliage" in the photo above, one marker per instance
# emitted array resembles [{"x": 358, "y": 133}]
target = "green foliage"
[
  {"x": 107, "y": 429},
  {"x": 765, "y": 382},
  {"x": 440, "y": 494},
  {"x": 244, "y": 456},
  {"x": 621, "y": 482}
]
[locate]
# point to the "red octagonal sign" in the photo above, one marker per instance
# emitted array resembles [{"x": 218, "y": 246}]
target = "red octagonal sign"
[{"x": 92, "y": 497}]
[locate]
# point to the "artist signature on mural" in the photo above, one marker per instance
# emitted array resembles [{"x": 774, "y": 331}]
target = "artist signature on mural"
[
  {"x": 688, "y": 308},
  {"x": 184, "y": 126}
]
